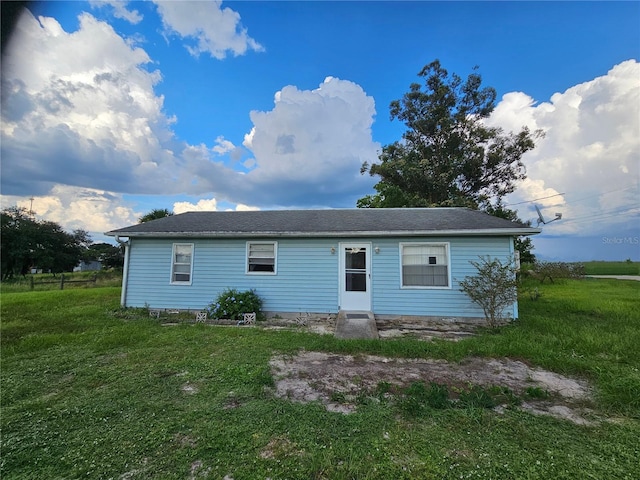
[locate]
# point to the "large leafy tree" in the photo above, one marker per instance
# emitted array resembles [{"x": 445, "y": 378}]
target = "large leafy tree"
[
  {"x": 524, "y": 245},
  {"x": 27, "y": 242},
  {"x": 17, "y": 238},
  {"x": 448, "y": 156},
  {"x": 110, "y": 256},
  {"x": 155, "y": 214}
]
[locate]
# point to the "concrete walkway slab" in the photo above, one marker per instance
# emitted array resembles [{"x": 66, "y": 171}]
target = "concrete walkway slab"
[
  {"x": 617, "y": 277},
  {"x": 352, "y": 325}
]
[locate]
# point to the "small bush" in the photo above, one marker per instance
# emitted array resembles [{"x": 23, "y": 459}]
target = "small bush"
[
  {"x": 494, "y": 288},
  {"x": 557, "y": 270},
  {"x": 231, "y": 304},
  {"x": 534, "y": 294},
  {"x": 525, "y": 271}
]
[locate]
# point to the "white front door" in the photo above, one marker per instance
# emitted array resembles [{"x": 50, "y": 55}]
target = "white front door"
[{"x": 355, "y": 276}]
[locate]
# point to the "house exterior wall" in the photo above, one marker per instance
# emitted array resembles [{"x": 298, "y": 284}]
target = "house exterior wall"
[
  {"x": 390, "y": 298},
  {"x": 307, "y": 278}
]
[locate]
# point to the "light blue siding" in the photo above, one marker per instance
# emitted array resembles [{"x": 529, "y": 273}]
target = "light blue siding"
[
  {"x": 307, "y": 277},
  {"x": 390, "y": 298},
  {"x": 306, "y": 280}
]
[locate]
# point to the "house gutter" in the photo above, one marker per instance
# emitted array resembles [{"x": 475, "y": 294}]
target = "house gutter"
[
  {"x": 513, "y": 232},
  {"x": 125, "y": 271}
]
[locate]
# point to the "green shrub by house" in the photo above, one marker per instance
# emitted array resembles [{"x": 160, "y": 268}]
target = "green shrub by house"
[{"x": 232, "y": 303}]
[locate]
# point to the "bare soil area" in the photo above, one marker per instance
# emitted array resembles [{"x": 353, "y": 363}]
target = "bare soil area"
[{"x": 321, "y": 377}]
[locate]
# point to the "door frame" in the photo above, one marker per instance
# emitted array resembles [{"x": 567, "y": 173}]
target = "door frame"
[{"x": 342, "y": 293}]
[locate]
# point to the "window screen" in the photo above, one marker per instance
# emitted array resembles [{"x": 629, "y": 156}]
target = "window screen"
[{"x": 425, "y": 265}]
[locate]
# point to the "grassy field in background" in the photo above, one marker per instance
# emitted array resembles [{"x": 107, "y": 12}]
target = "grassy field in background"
[
  {"x": 93, "y": 391},
  {"x": 48, "y": 281},
  {"x": 612, "y": 268}
]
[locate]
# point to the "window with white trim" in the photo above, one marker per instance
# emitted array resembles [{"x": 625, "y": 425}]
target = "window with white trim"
[
  {"x": 182, "y": 263},
  {"x": 425, "y": 264},
  {"x": 261, "y": 257}
]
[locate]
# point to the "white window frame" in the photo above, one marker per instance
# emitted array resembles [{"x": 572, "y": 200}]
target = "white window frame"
[
  {"x": 275, "y": 257},
  {"x": 173, "y": 264},
  {"x": 447, "y": 251}
]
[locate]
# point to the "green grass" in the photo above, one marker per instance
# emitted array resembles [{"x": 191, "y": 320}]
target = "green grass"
[
  {"x": 90, "y": 391},
  {"x": 612, "y": 268}
]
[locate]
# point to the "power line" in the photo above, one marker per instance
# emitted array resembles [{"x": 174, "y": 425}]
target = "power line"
[
  {"x": 534, "y": 200},
  {"x": 576, "y": 200},
  {"x": 600, "y": 215},
  {"x": 604, "y": 193}
]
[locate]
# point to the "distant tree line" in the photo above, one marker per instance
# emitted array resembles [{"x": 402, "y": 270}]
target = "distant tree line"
[{"x": 27, "y": 243}]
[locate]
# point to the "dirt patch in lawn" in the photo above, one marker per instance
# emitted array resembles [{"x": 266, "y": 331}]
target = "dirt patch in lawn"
[{"x": 337, "y": 380}]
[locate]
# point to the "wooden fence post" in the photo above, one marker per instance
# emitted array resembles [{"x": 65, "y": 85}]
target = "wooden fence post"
[
  {"x": 62, "y": 281},
  {"x": 31, "y": 282}
]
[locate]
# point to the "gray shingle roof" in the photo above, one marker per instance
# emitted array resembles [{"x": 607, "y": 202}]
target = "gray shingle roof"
[{"x": 328, "y": 223}]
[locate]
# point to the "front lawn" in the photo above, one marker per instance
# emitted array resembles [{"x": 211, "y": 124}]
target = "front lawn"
[{"x": 92, "y": 391}]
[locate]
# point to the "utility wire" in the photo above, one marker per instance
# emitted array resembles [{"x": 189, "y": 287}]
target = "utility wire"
[
  {"x": 621, "y": 210},
  {"x": 604, "y": 193},
  {"x": 605, "y": 214},
  {"x": 576, "y": 200},
  {"x": 534, "y": 200}
]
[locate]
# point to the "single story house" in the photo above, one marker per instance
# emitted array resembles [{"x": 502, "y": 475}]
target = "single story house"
[
  {"x": 90, "y": 266},
  {"x": 391, "y": 262}
]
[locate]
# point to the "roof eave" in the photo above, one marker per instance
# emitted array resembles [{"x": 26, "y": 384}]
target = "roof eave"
[{"x": 393, "y": 233}]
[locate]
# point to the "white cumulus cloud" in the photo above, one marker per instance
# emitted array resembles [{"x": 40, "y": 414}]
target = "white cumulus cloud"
[
  {"x": 120, "y": 10},
  {"x": 224, "y": 146},
  {"x": 590, "y": 152},
  {"x": 95, "y": 211},
  {"x": 81, "y": 111},
  {"x": 207, "y": 205},
  {"x": 311, "y": 145},
  {"x": 246, "y": 208},
  {"x": 208, "y": 27},
  {"x": 203, "y": 205}
]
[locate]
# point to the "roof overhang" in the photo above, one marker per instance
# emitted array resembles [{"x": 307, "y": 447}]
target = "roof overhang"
[{"x": 494, "y": 232}]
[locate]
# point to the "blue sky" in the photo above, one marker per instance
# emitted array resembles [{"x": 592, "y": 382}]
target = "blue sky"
[{"x": 110, "y": 109}]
